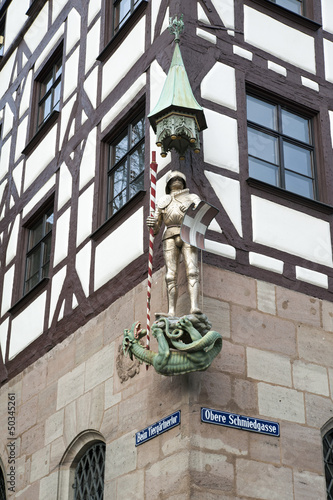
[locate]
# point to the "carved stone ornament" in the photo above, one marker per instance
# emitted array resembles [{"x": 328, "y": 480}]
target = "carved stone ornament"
[
  {"x": 184, "y": 344},
  {"x": 126, "y": 367}
]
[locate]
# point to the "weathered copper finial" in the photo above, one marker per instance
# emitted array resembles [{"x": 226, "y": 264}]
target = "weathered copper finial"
[
  {"x": 177, "y": 118},
  {"x": 176, "y": 27}
]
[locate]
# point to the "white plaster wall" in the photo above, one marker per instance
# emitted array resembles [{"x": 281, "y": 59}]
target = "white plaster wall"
[
  {"x": 7, "y": 290},
  {"x": 228, "y": 192},
  {"x": 21, "y": 137},
  {"x": 3, "y": 337},
  {"x": 25, "y": 100},
  {"x": 119, "y": 249},
  {"x": 12, "y": 243},
  {"x": 17, "y": 176},
  {"x": 88, "y": 162},
  {"x": 83, "y": 260},
  {"x": 279, "y": 39},
  {"x": 331, "y": 124},
  {"x": 8, "y": 119},
  {"x": 56, "y": 287},
  {"x": 239, "y": 51},
  {"x": 155, "y": 7},
  {"x": 84, "y": 218},
  {"x": 4, "y": 158},
  {"x": 328, "y": 56},
  {"x": 220, "y": 249},
  {"x": 93, "y": 9},
  {"x": 124, "y": 58},
  {"x": 125, "y": 99},
  {"x": 291, "y": 231},
  {"x": 312, "y": 277},
  {"x": 327, "y": 15},
  {"x": 225, "y": 9},
  {"x": 265, "y": 262},
  {"x": 45, "y": 55},
  {"x": 40, "y": 157},
  {"x": 219, "y": 85},
  {"x": 65, "y": 114},
  {"x": 71, "y": 74},
  {"x": 220, "y": 141},
  {"x": 206, "y": 35},
  {"x": 57, "y": 6},
  {"x": 90, "y": 86},
  {"x": 39, "y": 195},
  {"x": 15, "y": 19},
  {"x": 65, "y": 185},
  {"x": 73, "y": 29},
  {"x": 6, "y": 73},
  {"x": 61, "y": 241},
  {"x": 92, "y": 45},
  {"x": 277, "y": 68},
  {"x": 38, "y": 29},
  {"x": 21, "y": 336},
  {"x": 201, "y": 14}
]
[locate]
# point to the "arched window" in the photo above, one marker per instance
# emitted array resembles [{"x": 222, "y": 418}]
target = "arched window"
[
  {"x": 89, "y": 474},
  {"x": 81, "y": 469},
  {"x": 328, "y": 460}
]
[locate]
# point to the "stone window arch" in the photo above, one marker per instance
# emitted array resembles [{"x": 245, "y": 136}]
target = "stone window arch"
[
  {"x": 81, "y": 470},
  {"x": 327, "y": 436}
]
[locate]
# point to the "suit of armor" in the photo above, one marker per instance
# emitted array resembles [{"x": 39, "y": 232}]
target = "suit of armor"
[{"x": 170, "y": 210}]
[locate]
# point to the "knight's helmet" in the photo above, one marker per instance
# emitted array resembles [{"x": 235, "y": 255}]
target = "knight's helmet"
[{"x": 171, "y": 175}]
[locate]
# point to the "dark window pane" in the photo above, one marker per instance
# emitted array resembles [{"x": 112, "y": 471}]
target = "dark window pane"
[
  {"x": 121, "y": 12},
  {"x": 263, "y": 146},
  {"x": 138, "y": 131},
  {"x": 119, "y": 180},
  {"x": 295, "y": 126},
  {"x": 136, "y": 185},
  {"x": 89, "y": 474},
  {"x": 120, "y": 149},
  {"x": 299, "y": 184},
  {"x": 36, "y": 234},
  {"x": 118, "y": 202},
  {"x": 34, "y": 262},
  {"x": 264, "y": 171},
  {"x": 45, "y": 109},
  {"x": 293, "y": 5},
  {"x": 297, "y": 159},
  {"x": 49, "y": 222},
  {"x": 261, "y": 112},
  {"x": 137, "y": 160},
  {"x": 56, "y": 96}
]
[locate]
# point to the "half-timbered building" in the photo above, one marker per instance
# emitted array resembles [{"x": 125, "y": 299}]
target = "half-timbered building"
[{"x": 78, "y": 79}]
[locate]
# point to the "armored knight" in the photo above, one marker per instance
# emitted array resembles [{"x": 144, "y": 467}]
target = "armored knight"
[{"x": 171, "y": 209}]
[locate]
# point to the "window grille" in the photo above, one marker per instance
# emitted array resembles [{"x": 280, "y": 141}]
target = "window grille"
[
  {"x": 280, "y": 147},
  {"x": 328, "y": 461},
  {"x": 126, "y": 165},
  {"x": 89, "y": 474}
]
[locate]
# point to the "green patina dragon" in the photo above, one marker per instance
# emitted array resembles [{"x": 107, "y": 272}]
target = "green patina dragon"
[{"x": 197, "y": 355}]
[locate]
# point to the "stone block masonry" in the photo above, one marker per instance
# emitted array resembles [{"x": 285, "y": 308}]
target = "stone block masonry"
[{"x": 275, "y": 364}]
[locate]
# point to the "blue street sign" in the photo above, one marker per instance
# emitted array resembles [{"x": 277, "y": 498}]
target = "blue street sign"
[
  {"x": 227, "y": 419},
  {"x": 158, "y": 428}
]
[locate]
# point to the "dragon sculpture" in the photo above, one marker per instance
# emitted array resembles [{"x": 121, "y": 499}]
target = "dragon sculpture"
[{"x": 195, "y": 355}]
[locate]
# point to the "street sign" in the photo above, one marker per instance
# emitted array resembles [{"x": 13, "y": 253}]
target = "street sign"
[
  {"x": 157, "y": 428},
  {"x": 227, "y": 419}
]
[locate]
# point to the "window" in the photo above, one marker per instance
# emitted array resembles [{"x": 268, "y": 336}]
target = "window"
[
  {"x": 122, "y": 10},
  {"x": 2, "y": 34},
  {"x": 293, "y": 5},
  {"x": 328, "y": 461},
  {"x": 126, "y": 165},
  {"x": 89, "y": 474},
  {"x": 2, "y": 486},
  {"x": 280, "y": 147},
  {"x": 39, "y": 250},
  {"x": 49, "y": 92}
]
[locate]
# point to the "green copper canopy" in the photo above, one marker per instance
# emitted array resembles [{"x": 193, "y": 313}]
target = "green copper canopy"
[{"x": 177, "y": 94}]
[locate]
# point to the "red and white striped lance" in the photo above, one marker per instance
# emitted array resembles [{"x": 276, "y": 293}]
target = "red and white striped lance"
[{"x": 153, "y": 172}]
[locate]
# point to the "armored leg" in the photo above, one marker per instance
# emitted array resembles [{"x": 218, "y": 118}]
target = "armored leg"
[
  {"x": 192, "y": 272},
  {"x": 171, "y": 257}
]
